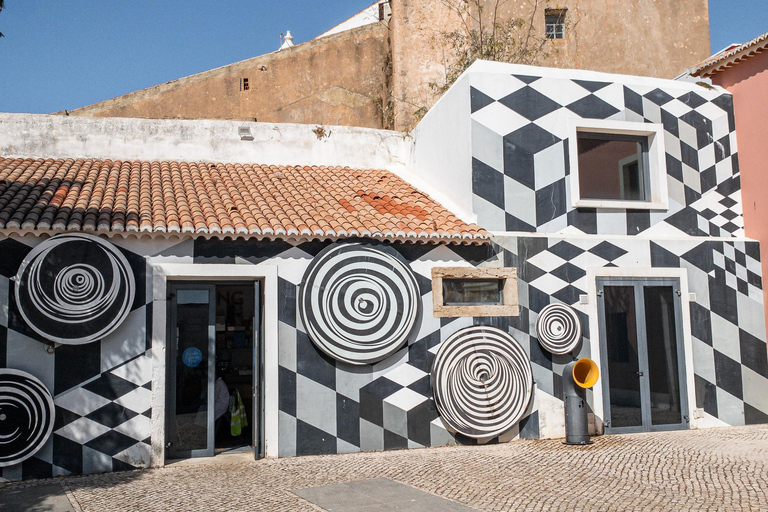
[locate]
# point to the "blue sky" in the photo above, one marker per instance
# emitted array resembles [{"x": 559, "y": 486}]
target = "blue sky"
[{"x": 62, "y": 55}]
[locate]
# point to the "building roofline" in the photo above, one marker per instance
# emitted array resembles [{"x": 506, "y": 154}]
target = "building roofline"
[
  {"x": 729, "y": 57},
  {"x": 203, "y": 75}
]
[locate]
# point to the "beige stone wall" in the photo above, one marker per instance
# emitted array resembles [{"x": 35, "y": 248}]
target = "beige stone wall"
[
  {"x": 658, "y": 38},
  {"x": 418, "y": 55},
  {"x": 338, "y": 80},
  {"x": 378, "y": 76}
]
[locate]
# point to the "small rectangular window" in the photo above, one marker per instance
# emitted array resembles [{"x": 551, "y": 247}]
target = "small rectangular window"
[
  {"x": 472, "y": 292},
  {"x": 245, "y": 84},
  {"x": 554, "y": 20},
  {"x": 468, "y": 291},
  {"x": 613, "y": 166}
]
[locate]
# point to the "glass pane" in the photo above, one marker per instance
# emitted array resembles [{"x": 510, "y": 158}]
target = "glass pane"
[
  {"x": 611, "y": 167},
  {"x": 192, "y": 372},
  {"x": 663, "y": 374},
  {"x": 623, "y": 363},
  {"x": 468, "y": 292}
]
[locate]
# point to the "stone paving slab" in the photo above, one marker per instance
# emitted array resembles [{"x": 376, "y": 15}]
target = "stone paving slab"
[
  {"x": 712, "y": 469},
  {"x": 47, "y": 497},
  {"x": 376, "y": 495}
]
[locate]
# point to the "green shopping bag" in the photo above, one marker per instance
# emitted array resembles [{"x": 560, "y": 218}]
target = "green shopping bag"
[{"x": 237, "y": 412}]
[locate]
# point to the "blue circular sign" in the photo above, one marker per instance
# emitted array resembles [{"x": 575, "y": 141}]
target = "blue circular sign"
[{"x": 192, "y": 357}]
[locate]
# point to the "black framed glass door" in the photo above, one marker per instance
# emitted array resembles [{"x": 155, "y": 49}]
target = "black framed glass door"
[
  {"x": 641, "y": 342},
  {"x": 214, "y": 369},
  {"x": 191, "y": 366}
]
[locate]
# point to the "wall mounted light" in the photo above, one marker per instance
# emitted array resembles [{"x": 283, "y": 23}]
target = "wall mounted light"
[{"x": 245, "y": 133}]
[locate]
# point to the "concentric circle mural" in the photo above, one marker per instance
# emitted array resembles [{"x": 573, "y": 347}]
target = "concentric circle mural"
[
  {"x": 482, "y": 381},
  {"x": 26, "y": 416},
  {"x": 558, "y": 328},
  {"x": 74, "y": 289},
  {"x": 358, "y": 303}
]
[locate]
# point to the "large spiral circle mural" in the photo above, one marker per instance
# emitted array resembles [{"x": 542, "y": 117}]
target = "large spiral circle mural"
[
  {"x": 74, "y": 289},
  {"x": 26, "y": 416},
  {"x": 482, "y": 382},
  {"x": 358, "y": 303},
  {"x": 558, "y": 328}
]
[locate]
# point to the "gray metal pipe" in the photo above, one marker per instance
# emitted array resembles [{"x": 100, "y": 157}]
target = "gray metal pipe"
[{"x": 576, "y": 425}]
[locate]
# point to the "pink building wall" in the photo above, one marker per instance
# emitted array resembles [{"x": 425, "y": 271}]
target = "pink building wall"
[{"x": 748, "y": 82}]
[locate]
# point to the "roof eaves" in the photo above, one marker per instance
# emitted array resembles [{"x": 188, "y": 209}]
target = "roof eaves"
[
  {"x": 729, "y": 58},
  {"x": 455, "y": 238}
]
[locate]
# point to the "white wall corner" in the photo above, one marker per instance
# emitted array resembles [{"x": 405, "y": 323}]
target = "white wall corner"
[{"x": 442, "y": 155}]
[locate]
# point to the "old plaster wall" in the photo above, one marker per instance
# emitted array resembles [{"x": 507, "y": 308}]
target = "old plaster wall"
[
  {"x": 647, "y": 38},
  {"x": 418, "y": 56},
  {"x": 378, "y": 75},
  {"x": 657, "y": 38},
  {"x": 337, "y": 80}
]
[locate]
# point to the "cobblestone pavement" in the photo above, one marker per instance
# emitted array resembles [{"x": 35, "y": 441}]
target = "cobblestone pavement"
[{"x": 714, "y": 469}]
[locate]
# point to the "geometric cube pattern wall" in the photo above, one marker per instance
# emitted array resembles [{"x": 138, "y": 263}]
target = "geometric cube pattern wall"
[
  {"x": 520, "y": 155},
  {"x": 102, "y": 390},
  {"x": 329, "y": 406},
  {"x": 727, "y": 326}
]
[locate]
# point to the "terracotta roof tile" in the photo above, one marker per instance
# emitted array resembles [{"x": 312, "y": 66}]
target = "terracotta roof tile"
[
  {"x": 221, "y": 200},
  {"x": 729, "y": 57}
]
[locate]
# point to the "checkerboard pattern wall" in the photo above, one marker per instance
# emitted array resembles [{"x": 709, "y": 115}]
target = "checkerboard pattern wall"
[
  {"x": 102, "y": 390},
  {"x": 521, "y": 168},
  {"x": 327, "y": 406},
  {"x": 727, "y": 326}
]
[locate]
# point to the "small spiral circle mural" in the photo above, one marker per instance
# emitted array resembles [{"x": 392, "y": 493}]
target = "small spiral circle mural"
[
  {"x": 358, "y": 303},
  {"x": 482, "y": 381},
  {"x": 74, "y": 289},
  {"x": 26, "y": 416},
  {"x": 558, "y": 328}
]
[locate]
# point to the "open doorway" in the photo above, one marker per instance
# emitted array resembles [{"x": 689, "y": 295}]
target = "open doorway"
[
  {"x": 213, "y": 367},
  {"x": 234, "y": 387}
]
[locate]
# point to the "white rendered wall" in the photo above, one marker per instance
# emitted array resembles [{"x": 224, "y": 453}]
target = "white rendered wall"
[
  {"x": 57, "y": 136},
  {"x": 442, "y": 154}
]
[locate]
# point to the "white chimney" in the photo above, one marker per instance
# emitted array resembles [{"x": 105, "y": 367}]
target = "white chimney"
[{"x": 287, "y": 40}]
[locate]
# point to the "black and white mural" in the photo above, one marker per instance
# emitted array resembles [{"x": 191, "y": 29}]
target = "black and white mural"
[
  {"x": 521, "y": 137},
  {"x": 359, "y": 303},
  {"x": 482, "y": 382},
  {"x": 74, "y": 289},
  {"x": 558, "y": 328},
  {"x": 726, "y": 310},
  {"x": 363, "y": 364},
  {"x": 26, "y": 416},
  {"x": 328, "y": 405},
  {"x": 98, "y": 371}
]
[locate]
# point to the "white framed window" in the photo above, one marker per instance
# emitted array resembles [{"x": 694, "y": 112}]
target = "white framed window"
[
  {"x": 469, "y": 291},
  {"x": 617, "y": 164}
]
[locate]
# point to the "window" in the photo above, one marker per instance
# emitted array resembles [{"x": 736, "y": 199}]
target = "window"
[
  {"x": 554, "y": 20},
  {"x": 617, "y": 164},
  {"x": 472, "y": 292},
  {"x": 244, "y": 85},
  {"x": 613, "y": 166},
  {"x": 466, "y": 291}
]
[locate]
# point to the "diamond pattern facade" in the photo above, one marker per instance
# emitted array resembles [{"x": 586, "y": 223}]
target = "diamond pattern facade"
[
  {"x": 520, "y": 184},
  {"x": 328, "y": 406},
  {"x": 726, "y": 313},
  {"x": 527, "y": 120},
  {"x": 102, "y": 390}
]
